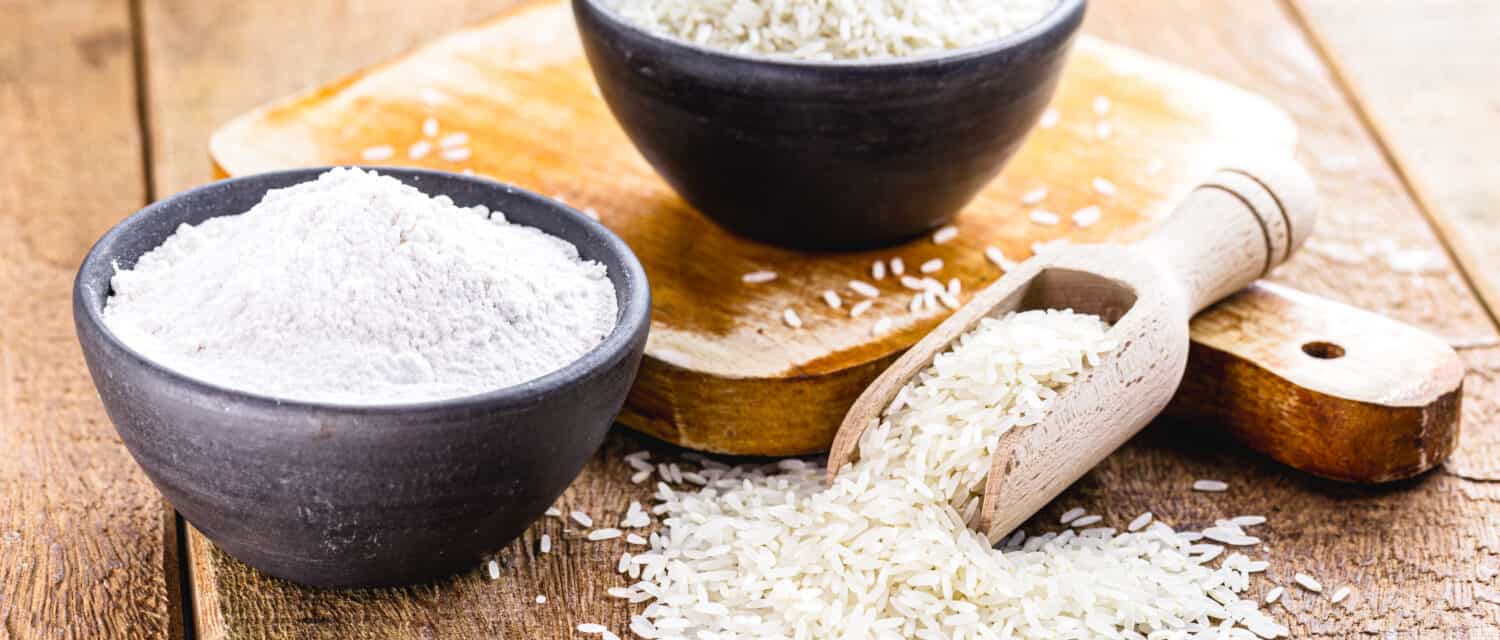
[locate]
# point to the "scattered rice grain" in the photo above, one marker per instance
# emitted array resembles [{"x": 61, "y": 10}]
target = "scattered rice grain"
[
  {"x": 1044, "y": 217},
  {"x": 419, "y": 149},
  {"x": 945, "y": 234},
  {"x": 598, "y": 535},
  {"x": 1308, "y": 582},
  {"x": 758, "y": 277},
  {"x": 1210, "y": 485},
  {"x": 864, "y": 288},
  {"x": 378, "y": 153},
  {"x": 791, "y": 318},
  {"x": 1087, "y": 216},
  {"x": 1101, "y": 105},
  {"x": 1034, "y": 196}
]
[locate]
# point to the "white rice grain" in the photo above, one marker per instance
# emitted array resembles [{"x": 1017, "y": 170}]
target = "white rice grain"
[
  {"x": 1101, "y": 105},
  {"x": 864, "y": 288},
  {"x": 790, "y": 317},
  {"x": 758, "y": 277},
  {"x": 454, "y": 140},
  {"x": 1044, "y": 217},
  {"x": 1087, "y": 216},
  {"x": 945, "y": 234},
  {"x": 1210, "y": 485},
  {"x": 378, "y": 153},
  {"x": 1086, "y": 521},
  {"x": 1308, "y": 582},
  {"x": 1139, "y": 522},
  {"x": 419, "y": 149},
  {"x": 997, "y": 258},
  {"x": 1034, "y": 196}
]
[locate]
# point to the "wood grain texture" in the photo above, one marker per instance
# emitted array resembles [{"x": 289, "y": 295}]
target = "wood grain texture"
[
  {"x": 208, "y": 61},
  {"x": 1325, "y": 388},
  {"x": 715, "y": 340},
  {"x": 83, "y": 549},
  {"x": 1420, "y": 554},
  {"x": 1424, "y": 75}
]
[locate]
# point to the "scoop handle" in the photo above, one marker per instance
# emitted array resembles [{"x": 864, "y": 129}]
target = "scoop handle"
[
  {"x": 1235, "y": 227},
  {"x": 1323, "y": 387}
]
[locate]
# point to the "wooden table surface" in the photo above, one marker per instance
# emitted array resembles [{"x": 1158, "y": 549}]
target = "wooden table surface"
[{"x": 106, "y": 104}]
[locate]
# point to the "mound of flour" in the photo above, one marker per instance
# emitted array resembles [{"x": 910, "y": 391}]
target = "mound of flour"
[{"x": 355, "y": 288}]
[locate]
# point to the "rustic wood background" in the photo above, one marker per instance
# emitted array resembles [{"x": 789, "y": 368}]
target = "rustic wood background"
[{"x": 106, "y": 104}]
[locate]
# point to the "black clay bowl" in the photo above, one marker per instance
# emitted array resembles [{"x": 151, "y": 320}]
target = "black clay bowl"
[
  {"x": 819, "y": 155},
  {"x": 353, "y": 496}
]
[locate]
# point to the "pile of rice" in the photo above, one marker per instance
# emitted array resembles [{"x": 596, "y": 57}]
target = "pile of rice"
[
  {"x": 770, "y": 552},
  {"x": 834, "y": 29}
]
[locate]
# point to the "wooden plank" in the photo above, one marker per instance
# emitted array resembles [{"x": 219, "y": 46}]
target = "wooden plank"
[
  {"x": 1424, "y": 75},
  {"x": 84, "y": 552},
  {"x": 1418, "y": 554},
  {"x": 209, "y": 61}
]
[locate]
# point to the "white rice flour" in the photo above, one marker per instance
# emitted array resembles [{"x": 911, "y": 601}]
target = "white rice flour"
[{"x": 355, "y": 288}]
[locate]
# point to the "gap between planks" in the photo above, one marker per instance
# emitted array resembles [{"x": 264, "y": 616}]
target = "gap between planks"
[
  {"x": 140, "y": 70},
  {"x": 176, "y": 559},
  {"x": 1436, "y": 216}
]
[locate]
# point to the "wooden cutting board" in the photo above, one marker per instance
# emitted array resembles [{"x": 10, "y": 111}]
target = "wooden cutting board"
[{"x": 723, "y": 371}]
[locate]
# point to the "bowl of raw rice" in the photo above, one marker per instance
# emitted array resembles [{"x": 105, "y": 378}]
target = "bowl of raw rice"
[{"x": 827, "y": 125}]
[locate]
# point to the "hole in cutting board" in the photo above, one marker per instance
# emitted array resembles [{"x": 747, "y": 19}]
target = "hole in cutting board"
[{"x": 1323, "y": 350}]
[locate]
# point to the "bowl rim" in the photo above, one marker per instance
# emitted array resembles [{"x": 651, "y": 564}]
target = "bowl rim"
[
  {"x": 634, "y": 316},
  {"x": 1060, "y": 13}
]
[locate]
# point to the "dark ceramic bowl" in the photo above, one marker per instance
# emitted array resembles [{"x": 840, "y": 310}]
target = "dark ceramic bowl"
[
  {"x": 353, "y": 496},
  {"x": 826, "y": 155}
]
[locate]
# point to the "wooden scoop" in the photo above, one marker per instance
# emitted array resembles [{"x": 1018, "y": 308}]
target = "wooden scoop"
[{"x": 1228, "y": 232}]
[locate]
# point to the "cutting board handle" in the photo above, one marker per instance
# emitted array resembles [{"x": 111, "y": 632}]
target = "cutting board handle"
[
  {"x": 1323, "y": 387},
  {"x": 1235, "y": 227}
]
